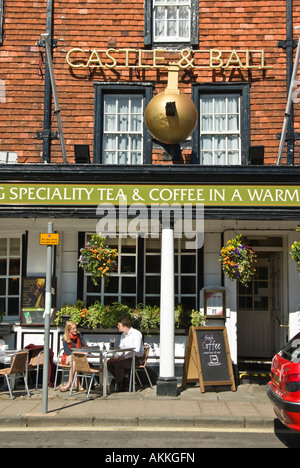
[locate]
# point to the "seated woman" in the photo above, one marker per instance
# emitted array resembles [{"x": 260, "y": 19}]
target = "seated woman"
[{"x": 71, "y": 339}]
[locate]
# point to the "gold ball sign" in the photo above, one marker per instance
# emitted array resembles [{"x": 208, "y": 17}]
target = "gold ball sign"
[{"x": 171, "y": 117}]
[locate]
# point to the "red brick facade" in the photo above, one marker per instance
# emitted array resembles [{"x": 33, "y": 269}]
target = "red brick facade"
[{"x": 119, "y": 24}]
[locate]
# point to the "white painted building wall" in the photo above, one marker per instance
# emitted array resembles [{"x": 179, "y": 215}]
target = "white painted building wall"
[{"x": 67, "y": 257}]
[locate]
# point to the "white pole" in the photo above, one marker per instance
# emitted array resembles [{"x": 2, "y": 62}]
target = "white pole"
[
  {"x": 47, "y": 323},
  {"x": 167, "y": 384},
  {"x": 289, "y": 102}
]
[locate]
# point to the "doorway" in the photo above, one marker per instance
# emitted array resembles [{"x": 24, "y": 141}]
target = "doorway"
[{"x": 260, "y": 309}]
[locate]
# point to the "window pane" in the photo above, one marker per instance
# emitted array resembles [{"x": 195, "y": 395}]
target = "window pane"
[
  {"x": 233, "y": 158},
  {"x": 3, "y": 247},
  {"x": 153, "y": 263},
  {"x": 110, "y": 299},
  {"x": 127, "y": 264},
  {"x": 188, "y": 264},
  {"x": 128, "y": 285},
  {"x": 152, "y": 285},
  {"x": 233, "y": 106},
  {"x": 220, "y": 123},
  {"x": 207, "y": 158},
  {"x": 110, "y": 114},
  {"x": 171, "y": 21},
  {"x": 112, "y": 285},
  {"x": 233, "y": 123},
  {"x": 207, "y": 105},
  {"x": 3, "y": 266},
  {"x": 2, "y": 287},
  {"x": 123, "y": 142},
  {"x": 207, "y": 123},
  {"x": 14, "y": 266},
  {"x": 14, "y": 247},
  {"x": 123, "y": 120},
  {"x": 153, "y": 301},
  {"x": 108, "y": 158},
  {"x": 2, "y": 306},
  {"x": 13, "y": 306},
  {"x": 220, "y": 105},
  {"x": 188, "y": 284},
  {"x": 136, "y": 143},
  {"x": 91, "y": 287},
  {"x": 110, "y": 104},
  {"x": 188, "y": 303},
  {"x": 13, "y": 286},
  {"x": 130, "y": 301}
]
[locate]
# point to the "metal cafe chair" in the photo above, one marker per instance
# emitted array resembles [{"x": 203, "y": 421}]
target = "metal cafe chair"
[
  {"x": 143, "y": 367},
  {"x": 18, "y": 368},
  {"x": 60, "y": 367},
  {"x": 36, "y": 361},
  {"x": 82, "y": 369}
]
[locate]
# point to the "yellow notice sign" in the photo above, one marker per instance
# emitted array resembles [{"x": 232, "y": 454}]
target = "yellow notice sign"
[{"x": 49, "y": 239}]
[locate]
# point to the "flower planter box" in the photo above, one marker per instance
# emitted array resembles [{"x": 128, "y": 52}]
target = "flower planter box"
[{"x": 5, "y": 329}]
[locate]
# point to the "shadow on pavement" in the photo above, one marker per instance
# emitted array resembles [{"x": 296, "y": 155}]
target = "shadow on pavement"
[{"x": 289, "y": 438}]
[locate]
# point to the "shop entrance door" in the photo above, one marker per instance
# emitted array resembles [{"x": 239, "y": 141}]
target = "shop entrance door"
[{"x": 259, "y": 307}]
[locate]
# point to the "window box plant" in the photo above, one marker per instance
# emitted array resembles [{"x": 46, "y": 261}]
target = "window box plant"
[{"x": 97, "y": 315}]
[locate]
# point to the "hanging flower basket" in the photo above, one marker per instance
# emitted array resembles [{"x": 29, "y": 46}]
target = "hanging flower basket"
[
  {"x": 295, "y": 253},
  {"x": 97, "y": 258},
  {"x": 237, "y": 260}
]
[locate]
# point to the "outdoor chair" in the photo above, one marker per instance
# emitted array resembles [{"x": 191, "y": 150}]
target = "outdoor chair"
[
  {"x": 61, "y": 367},
  {"x": 18, "y": 368},
  {"x": 143, "y": 367},
  {"x": 36, "y": 361},
  {"x": 82, "y": 368}
]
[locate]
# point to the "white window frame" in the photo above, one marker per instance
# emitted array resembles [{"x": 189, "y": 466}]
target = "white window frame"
[
  {"x": 167, "y": 4},
  {"x": 118, "y": 134},
  {"x": 101, "y": 294},
  {"x": 180, "y": 252},
  {"x": 153, "y": 248},
  {"x": 215, "y": 133},
  {"x": 7, "y": 276}
]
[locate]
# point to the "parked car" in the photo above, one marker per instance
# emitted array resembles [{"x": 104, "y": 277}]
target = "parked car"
[{"x": 284, "y": 387}]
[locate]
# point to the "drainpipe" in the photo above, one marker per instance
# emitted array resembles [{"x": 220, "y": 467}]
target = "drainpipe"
[
  {"x": 290, "y": 138},
  {"x": 47, "y": 90},
  {"x": 46, "y": 135},
  {"x": 289, "y": 45}
]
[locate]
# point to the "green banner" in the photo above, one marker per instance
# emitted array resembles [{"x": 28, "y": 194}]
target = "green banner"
[{"x": 89, "y": 194}]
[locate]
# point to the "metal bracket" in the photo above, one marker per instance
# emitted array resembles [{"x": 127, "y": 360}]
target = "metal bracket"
[
  {"x": 41, "y": 43},
  {"x": 289, "y": 136},
  {"x": 44, "y": 134},
  {"x": 285, "y": 44}
]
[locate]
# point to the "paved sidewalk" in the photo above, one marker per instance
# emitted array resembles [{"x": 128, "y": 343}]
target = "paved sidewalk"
[{"x": 248, "y": 407}]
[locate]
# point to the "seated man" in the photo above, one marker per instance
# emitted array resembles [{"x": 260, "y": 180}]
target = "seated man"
[{"x": 130, "y": 338}]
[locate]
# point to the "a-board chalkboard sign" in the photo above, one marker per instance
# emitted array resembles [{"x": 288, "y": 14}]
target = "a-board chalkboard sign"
[
  {"x": 33, "y": 301},
  {"x": 207, "y": 358}
]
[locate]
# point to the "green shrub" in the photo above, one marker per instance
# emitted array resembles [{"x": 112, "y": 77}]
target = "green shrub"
[{"x": 145, "y": 318}]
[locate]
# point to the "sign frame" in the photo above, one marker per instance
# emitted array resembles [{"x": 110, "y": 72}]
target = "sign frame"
[
  {"x": 34, "y": 303},
  {"x": 194, "y": 363},
  {"x": 215, "y": 303},
  {"x": 49, "y": 239}
]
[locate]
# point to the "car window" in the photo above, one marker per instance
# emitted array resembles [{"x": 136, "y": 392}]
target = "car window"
[{"x": 291, "y": 351}]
